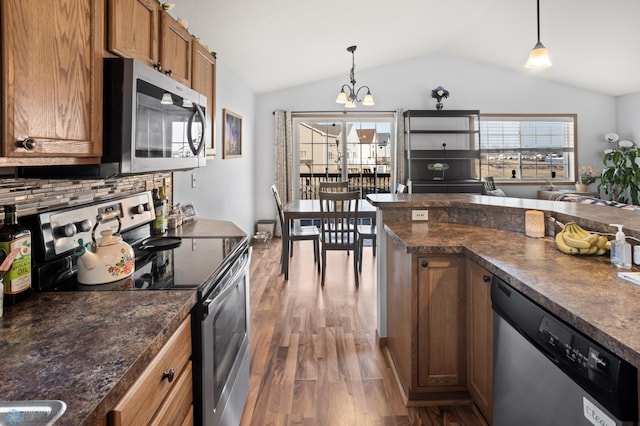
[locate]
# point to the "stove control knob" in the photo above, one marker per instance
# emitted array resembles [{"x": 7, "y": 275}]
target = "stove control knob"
[
  {"x": 84, "y": 225},
  {"x": 139, "y": 209},
  {"x": 68, "y": 230}
]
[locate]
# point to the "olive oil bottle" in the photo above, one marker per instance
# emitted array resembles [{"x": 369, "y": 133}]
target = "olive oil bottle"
[
  {"x": 15, "y": 237},
  {"x": 160, "y": 224}
]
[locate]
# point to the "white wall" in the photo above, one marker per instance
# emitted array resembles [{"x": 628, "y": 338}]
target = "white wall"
[
  {"x": 628, "y": 117},
  {"x": 407, "y": 84},
  {"x": 225, "y": 187}
]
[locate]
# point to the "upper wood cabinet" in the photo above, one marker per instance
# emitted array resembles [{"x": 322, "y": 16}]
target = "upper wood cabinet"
[
  {"x": 134, "y": 28},
  {"x": 140, "y": 29},
  {"x": 203, "y": 80},
  {"x": 51, "y": 81},
  {"x": 175, "y": 49}
]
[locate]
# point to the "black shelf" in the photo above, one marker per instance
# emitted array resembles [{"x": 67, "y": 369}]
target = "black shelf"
[{"x": 428, "y": 134}]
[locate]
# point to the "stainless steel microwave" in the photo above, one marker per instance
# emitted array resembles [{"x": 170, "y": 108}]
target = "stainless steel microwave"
[{"x": 151, "y": 122}]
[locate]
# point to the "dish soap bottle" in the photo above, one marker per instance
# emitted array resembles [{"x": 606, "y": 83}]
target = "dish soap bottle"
[
  {"x": 159, "y": 225},
  {"x": 620, "y": 249},
  {"x": 15, "y": 237}
]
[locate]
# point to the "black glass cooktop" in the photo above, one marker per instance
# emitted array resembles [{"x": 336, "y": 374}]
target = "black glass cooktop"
[{"x": 194, "y": 262}]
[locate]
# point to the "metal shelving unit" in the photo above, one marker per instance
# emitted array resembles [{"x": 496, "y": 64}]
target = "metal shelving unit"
[{"x": 443, "y": 151}]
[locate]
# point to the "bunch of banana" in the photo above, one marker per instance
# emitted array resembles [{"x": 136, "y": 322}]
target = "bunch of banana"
[{"x": 573, "y": 239}]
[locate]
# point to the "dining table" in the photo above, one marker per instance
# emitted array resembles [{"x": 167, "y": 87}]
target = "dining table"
[{"x": 310, "y": 209}]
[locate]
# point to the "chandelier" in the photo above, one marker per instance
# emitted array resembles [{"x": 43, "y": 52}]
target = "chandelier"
[{"x": 348, "y": 94}]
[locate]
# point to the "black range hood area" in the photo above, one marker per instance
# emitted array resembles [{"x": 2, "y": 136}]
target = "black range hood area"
[{"x": 80, "y": 171}]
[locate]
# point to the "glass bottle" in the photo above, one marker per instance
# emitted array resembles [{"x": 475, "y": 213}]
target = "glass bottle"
[
  {"x": 160, "y": 224},
  {"x": 15, "y": 237}
]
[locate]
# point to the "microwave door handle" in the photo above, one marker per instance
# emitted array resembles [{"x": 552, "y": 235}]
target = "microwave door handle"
[{"x": 196, "y": 150}]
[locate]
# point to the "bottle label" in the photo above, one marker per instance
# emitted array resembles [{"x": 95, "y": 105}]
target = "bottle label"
[
  {"x": 160, "y": 224},
  {"x": 18, "y": 278}
]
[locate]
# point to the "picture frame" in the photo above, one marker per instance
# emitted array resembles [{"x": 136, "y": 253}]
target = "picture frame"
[{"x": 231, "y": 134}]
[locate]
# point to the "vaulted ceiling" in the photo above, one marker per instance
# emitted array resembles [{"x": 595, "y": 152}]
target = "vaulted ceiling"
[{"x": 271, "y": 45}]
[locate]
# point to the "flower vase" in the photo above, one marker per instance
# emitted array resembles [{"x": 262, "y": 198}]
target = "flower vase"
[
  {"x": 581, "y": 187},
  {"x": 439, "y": 105}
]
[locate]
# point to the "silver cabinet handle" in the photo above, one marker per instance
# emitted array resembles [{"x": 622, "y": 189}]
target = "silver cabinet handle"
[{"x": 28, "y": 143}]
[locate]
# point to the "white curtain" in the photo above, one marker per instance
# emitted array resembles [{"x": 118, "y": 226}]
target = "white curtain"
[{"x": 283, "y": 157}]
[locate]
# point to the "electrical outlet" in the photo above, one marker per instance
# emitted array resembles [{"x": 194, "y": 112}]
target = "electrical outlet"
[
  {"x": 148, "y": 186},
  {"x": 167, "y": 182},
  {"x": 193, "y": 180},
  {"x": 419, "y": 214}
]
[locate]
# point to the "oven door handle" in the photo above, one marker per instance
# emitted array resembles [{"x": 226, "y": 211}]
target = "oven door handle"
[{"x": 228, "y": 284}]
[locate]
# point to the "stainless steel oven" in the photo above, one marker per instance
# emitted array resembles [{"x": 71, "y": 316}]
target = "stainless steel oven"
[
  {"x": 225, "y": 341},
  {"x": 217, "y": 268}
]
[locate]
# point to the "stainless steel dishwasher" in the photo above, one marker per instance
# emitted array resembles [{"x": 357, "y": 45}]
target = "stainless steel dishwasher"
[{"x": 547, "y": 373}]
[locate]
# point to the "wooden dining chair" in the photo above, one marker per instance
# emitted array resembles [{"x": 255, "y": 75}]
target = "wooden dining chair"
[
  {"x": 341, "y": 186},
  {"x": 296, "y": 233},
  {"x": 339, "y": 228}
]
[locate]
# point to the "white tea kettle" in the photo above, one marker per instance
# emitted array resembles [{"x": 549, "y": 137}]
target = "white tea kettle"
[{"x": 106, "y": 260}]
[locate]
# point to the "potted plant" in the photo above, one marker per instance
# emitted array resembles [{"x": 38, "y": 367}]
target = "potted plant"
[
  {"x": 586, "y": 176},
  {"x": 620, "y": 176}
]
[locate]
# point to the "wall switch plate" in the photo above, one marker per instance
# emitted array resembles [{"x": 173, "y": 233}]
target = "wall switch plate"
[
  {"x": 148, "y": 185},
  {"x": 419, "y": 214}
]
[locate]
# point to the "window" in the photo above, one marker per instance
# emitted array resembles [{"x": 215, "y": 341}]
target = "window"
[
  {"x": 529, "y": 148},
  {"x": 338, "y": 146}
]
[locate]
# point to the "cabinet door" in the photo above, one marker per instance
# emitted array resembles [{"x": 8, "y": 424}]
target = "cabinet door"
[
  {"x": 480, "y": 337},
  {"x": 203, "y": 80},
  {"x": 175, "y": 49},
  {"x": 52, "y": 78},
  {"x": 133, "y": 29},
  {"x": 441, "y": 322}
]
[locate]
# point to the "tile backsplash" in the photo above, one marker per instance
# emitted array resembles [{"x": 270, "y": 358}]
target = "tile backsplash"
[{"x": 38, "y": 195}]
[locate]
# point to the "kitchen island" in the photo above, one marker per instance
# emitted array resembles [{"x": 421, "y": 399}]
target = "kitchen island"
[
  {"x": 433, "y": 287},
  {"x": 584, "y": 291}
]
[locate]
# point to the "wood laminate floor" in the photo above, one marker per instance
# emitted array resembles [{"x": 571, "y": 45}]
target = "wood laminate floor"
[{"x": 314, "y": 357}]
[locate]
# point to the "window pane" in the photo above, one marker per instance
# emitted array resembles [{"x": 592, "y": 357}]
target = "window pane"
[
  {"x": 528, "y": 148},
  {"x": 342, "y": 148}
]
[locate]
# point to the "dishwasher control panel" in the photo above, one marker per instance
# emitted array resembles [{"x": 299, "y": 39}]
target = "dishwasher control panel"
[{"x": 579, "y": 353}]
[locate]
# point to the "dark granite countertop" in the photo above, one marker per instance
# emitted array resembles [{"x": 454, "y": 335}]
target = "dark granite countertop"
[
  {"x": 589, "y": 216},
  {"x": 584, "y": 291},
  {"x": 85, "y": 348},
  {"x": 207, "y": 228}
]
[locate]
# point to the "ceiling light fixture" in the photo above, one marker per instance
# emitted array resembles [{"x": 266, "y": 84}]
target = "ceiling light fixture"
[
  {"x": 539, "y": 56},
  {"x": 348, "y": 95},
  {"x": 166, "y": 99}
]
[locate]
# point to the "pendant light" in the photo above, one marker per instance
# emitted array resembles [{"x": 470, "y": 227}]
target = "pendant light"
[
  {"x": 350, "y": 99},
  {"x": 539, "y": 56}
]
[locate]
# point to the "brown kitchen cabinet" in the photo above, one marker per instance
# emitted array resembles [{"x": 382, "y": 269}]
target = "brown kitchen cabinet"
[
  {"x": 133, "y": 29},
  {"x": 142, "y": 30},
  {"x": 175, "y": 49},
  {"x": 480, "y": 338},
  {"x": 203, "y": 80},
  {"x": 426, "y": 324},
  {"x": 163, "y": 394},
  {"x": 51, "y": 81}
]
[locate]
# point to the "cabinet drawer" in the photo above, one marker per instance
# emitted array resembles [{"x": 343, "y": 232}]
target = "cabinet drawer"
[
  {"x": 142, "y": 400},
  {"x": 179, "y": 401}
]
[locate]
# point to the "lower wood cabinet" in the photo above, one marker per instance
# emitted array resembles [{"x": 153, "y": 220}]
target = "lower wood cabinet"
[
  {"x": 163, "y": 394},
  {"x": 480, "y": 338},
  {"x": 426, "y": 324}
]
